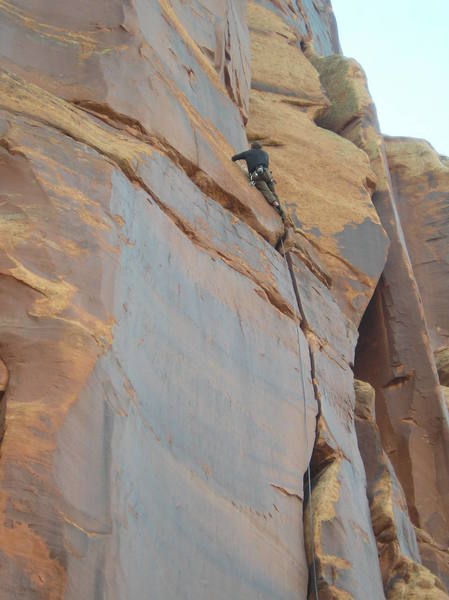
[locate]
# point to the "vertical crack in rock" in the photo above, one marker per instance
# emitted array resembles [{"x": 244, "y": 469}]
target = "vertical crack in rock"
[
  {"x": 312, "y": 510},
  {"x": 337, "y": 253},
  {"x": 147, "y": 323},
  {"x": 334, "y": 466}
]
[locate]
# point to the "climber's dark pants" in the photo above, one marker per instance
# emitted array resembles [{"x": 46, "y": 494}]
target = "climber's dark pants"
[
  {"x": 264, "y": 183},
  {"x": 268, "y": 191}
]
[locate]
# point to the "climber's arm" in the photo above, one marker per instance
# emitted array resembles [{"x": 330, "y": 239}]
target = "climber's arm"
[{"x": 241, "y": 156}]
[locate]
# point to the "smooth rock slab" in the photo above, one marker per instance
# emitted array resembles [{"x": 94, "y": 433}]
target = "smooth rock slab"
[{"x": 155, "y": 431}]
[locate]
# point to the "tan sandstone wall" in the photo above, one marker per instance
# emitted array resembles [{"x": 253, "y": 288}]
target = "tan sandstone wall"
[
  {"x": 394, "y": 352},
  {"x": 154, "y": 433}
]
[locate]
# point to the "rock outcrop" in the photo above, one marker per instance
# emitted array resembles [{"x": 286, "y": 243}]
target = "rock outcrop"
[
  {"x": 394, "y": 351},
  {"x": 172, "y": 358},
  {"x": 420, "y": 179},
  {"x": 403, "y": 574},
  {"x": 326, "y": 183}
]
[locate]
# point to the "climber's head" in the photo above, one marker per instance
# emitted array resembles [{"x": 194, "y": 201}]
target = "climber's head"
[{"x": 256, "y": 146}]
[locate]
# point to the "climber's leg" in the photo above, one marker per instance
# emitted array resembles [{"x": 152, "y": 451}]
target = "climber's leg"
[
  {"x": 272, "y": 189},
  {"x": 271, "y": 198},
  {"x": 262, "y": 186}
]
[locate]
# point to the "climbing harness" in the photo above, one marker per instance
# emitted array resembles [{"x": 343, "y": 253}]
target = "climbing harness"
[
  {"x": 256, "y": 174},
  {"x": 296, "y": 303},
  {"x": 261, "y": 172}
]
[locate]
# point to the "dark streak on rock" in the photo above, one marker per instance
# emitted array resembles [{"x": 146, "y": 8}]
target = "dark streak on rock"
[{"x": 4, "y": 377}]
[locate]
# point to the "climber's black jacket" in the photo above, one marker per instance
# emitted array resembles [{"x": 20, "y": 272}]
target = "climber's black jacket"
[{"x": 253, "y": 158}]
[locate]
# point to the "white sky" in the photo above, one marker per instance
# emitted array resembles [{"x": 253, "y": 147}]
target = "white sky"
[{"x": 403, "y": 46}]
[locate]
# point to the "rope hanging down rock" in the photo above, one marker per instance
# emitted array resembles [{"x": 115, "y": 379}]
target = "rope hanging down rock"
[{"x": 296, "y": 303}]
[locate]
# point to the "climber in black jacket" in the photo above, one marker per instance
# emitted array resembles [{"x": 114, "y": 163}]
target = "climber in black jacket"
[{"x": 257, "y": 162}]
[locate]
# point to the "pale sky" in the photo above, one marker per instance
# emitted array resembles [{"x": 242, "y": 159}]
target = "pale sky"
[{"x": 403, "y": 46}]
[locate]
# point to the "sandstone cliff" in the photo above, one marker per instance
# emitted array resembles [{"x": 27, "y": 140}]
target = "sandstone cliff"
[{"x": 166, "y": 374}]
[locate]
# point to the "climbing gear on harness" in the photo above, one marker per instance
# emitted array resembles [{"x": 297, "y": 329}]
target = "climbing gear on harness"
[
  {"x": 257, "y": 174},
  {"x": 296, "y": 303}
]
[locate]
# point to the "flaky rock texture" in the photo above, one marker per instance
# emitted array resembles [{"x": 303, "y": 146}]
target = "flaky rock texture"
[
  {"x": 442, "y": 364},
  {"x": 172, "y": 357},
  {"x": 403, "y": 574}
]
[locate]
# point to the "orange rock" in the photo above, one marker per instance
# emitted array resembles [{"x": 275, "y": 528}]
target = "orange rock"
[
  {"x": 402, "y": 572},
  {"x": 156, "y": 429},
  {"x": 136, "y": 311},
  {"x": 394, "y": 353},
  {"x": 420, "y": 180},
  {"x": 324, "y": 181}
]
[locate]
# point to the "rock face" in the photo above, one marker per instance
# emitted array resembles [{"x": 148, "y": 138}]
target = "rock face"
[
  {"x": 394, "y": 351},
  {"x": 157, "y": 66},
  {"x": 150, "y": 428},
  {"x": 420, "y": 181},
  {"x": 119, "y": 374},
  {"x": 325, "y": 182},
  {"x": 166, "y": 374},
  {"x": 403, "y": 574}
]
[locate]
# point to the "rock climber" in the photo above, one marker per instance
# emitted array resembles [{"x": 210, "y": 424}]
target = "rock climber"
[{"x": 257, "y": 162}]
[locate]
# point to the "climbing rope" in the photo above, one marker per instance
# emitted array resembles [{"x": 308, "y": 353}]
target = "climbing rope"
[{"x": 295, "y": 304}]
